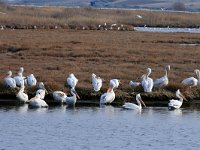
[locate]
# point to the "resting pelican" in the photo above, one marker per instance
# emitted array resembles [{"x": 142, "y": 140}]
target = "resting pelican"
[
  {"x": 71, "y": 101},
  {"x": 174, "y": 104},
  {"x": 37, "y": 102},
  {"x": 59, "y": 96},
  {"x": 19, "y": 79},
  {"x": 96, "y": 82},
  {"x": 114, "y": 83},
  {"x": 21, "y": 96},
  {"x": 42, "y": 90},
  {"x": 9, "y": 81},
  {"x": 134, "y": 106},
  {"x": 163, "y": 81},
  {"x": 108, "y": 97},
  {"x": 31, "y": 80},
  {"x": 147, "y": 82},
  {"x": 191, "y": 81},
  {"x": 72, "y": 81}
]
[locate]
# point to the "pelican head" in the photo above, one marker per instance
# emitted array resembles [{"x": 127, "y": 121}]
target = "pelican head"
[
  {"x": 41, "y": 86},
  {"x": 139, "y": 99},
  {"x": 93, "y": 75},
  {"x": 148, "y": 71},
  {"x": 197, "y": 72},
  {"x": 21, "y": 69},
  {"x": 9, "y": 73},
  {"x": 179, "y": 95},
  {"x": 168, "y": 67}
]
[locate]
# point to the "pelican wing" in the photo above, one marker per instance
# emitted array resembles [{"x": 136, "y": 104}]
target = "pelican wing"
[
  {"x": 163, "y": 81},
  {"x": 130, "y": 106},
  {"x": 175, "y": 103}
]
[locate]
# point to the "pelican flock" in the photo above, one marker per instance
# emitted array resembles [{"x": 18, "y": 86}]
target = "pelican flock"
[{"x": 19, "y": 82}]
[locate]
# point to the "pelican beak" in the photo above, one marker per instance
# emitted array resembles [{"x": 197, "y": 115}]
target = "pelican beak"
[
  {"x": 183, "y": 97},
  {"x": 109, "y": 89},
  {"x": 76, "y": 94},
  {"x": 143, "y": 102},
  {"x": 46, "y": 91}
]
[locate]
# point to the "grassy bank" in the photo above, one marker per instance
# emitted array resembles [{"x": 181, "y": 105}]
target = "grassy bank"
[{"x": 89, "y": 18}]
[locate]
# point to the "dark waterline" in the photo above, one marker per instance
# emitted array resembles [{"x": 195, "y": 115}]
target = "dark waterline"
[{"x": 98, "y": 128}]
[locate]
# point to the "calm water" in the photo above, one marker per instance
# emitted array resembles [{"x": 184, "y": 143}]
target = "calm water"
[{"x": 98, "y": 128}]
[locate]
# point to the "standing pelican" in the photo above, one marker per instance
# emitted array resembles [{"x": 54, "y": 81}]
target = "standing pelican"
[
  {"x": 72, "y": 81},
  {"x": 21, "y": 96},
  {"x": 37, "y": 102},
  {"x": 174, "y": 104},
  {"x": 114, "y": 83},
  {"x": 96, "y": 82},
  {"x": 147, "y": 82},
  {"x": 134, "y": 106},
  {"x": 163, "y": 81},
  {"x": 108, "y": 97},
  {"x": 42, "y": 90},
  {"x": 191, "y": 81},
  {"x": 71, "y": 101},
  {"x": 9, "y": 81},
  {"x": 19, "y": 79},
  {"x": 31, "y": 80}
]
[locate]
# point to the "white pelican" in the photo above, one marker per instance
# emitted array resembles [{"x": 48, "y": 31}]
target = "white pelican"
[
  {"x": 19, "y": 79},
  {"x": 21, "y": 96},
  {"x": 59, "y": 96},
  {"x": 96, "y": 82},
  {"x": 9, "y": 81},
  {"x": 114, "y": 83},
  {"x": 163, "y": 81},
  {"x": 108, "y": 97},
  {"x": 71, "y": 101},
  {"x": 31, "y": 80},
  {"x": 37, "y": 102},
  {"x": 134, "y": 106},
  {"x": 72, "y": 81},
  {"x": 147, "y": 82},
  {"x": 174, "y": 104},
  {"x": 42, "y": 90},
  {"x": 191, "y": 81}
]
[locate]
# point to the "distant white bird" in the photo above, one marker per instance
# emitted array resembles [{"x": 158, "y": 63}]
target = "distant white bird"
[
  {"x": 139, "y": 16},
  {"x": 134, "y": 106},
  {"x": 42, "y": 90},
  {"x": 31, "y": 80},
  {"x": 147, "y": 82},
  {"x": 174, "y": 104},
  {"x": 9, "y": 81},
  {"x": 191, "y": 81},
  {"x": 71, "y": 101},
  {"x": 96, "y": 82},
  {"x": 134, "y": 84},
  {"x": 19, "y": 79},
  {"x": 21, "y": 96},
  {"x": 114, "y": 83},
  {"x": 163, "y": 81},
  {"x": 108, "y": 97},
  {"x": 37, "y": 102},
  {"x": 72, "y": 81}
]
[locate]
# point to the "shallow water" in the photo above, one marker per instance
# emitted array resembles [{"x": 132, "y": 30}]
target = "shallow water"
[
  {"x": 167, "y": 30},
  {"x": 98, "y": 128}
]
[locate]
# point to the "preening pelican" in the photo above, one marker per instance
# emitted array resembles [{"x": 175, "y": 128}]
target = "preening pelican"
[
  {"x": 59, "y": 96},
  {"x": 134, "y": 106},
  {"x": 19, "y": 79},
  {"x": 42, "y": 90},
  {"x": 191, "y": 81},
  {"x": 174, "y": 104},
  {"x": 114, "y": 83},
  {"x": 37, "y": 102},
  {"x": 163, "y": 81},
  {"x": 108, "y": 97},
  {"x": 9, "y": 81},
  {"x": 31, "y": 80},
  {"x": 147, "y": 82},
  {"x": 71, "y": 101},
  {"x": 96, "y": 82},
  {"x": 21, "y": 96},
  {"x": 72, "y": 81}
]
